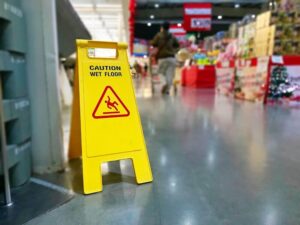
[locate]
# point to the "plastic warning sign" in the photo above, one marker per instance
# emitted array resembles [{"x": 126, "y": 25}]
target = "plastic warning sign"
[{"x": 110, "y": 127}]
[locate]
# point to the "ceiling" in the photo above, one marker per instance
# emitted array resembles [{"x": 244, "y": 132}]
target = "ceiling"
[
  {"x": 172, "y": 11},
  {"x": 108, "y": 19},
  {"x": 69, "y": 27},
  {"x": 105, "y": 19},
  {"x": 212, "y": 1}
]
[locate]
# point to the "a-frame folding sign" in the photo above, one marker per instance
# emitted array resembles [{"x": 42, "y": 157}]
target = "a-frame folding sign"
[{"x": 110, "y": 124}]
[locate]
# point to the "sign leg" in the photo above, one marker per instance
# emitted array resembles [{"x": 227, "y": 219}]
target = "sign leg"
[
  {"x": 92, "y": 177},
  {"x": 142, "y": 167}
]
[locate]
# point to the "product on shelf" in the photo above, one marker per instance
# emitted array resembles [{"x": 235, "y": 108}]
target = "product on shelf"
[
  {"x": 230, "y": 51},
  {"x": 233, "y": 30},
  {"x": 266, "y": 64},
  {"x": 278, "y": 31},
  {"x": 280, "y": 85},
  {"x": 246, "y": 40}
]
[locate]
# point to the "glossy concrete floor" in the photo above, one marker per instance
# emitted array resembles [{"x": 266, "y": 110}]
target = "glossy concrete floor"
[{"x": 215, "y": 161}]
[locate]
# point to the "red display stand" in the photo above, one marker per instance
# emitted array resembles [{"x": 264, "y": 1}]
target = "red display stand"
[
  {"x": 225, "y": 72},
  {"x": 251, "y": 78},
  {"x": 198, "y": 76}
]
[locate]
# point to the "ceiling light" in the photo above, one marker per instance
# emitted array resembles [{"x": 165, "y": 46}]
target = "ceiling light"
[
  {"x": 220, "y": 17},
  {"x": 156, "y": 5},
  {"x": 179, "y": 24},
  {"x": 271, "y": 3},
  {"x": 253, "y": 16},
  {"x": 237, "y": 6},
  {"x": 151, "y": 16},
  {"x": 149, "y": 24}
]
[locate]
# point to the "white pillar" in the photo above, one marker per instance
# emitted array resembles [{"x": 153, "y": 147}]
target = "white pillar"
[{"x": 42, "y": 68}]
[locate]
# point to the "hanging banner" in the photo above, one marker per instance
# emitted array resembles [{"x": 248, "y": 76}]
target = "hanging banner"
[
  {"x": 131, "y": 19},
  {"x": 110, "y": 127},
  {"x": 197, "y": 16},
  {"x": 178, "y": 31}
]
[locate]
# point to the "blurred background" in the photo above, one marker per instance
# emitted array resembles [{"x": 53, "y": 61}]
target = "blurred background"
[{"x": 234, "y": 59}]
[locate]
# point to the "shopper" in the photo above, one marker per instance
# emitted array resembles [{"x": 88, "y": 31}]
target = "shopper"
[
  {"x": 145, "y": 69},
  {"x": 137, "y": 68},
  {"x": 166, "y": 47}
]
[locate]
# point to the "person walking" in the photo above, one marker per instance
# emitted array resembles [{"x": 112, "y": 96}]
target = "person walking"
[
  {"x": 145, "y": 69},
  {"x": 166, "y": 45}
]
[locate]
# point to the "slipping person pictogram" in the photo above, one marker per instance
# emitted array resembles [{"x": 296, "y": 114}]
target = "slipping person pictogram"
[{"x": 111, "y": 105}]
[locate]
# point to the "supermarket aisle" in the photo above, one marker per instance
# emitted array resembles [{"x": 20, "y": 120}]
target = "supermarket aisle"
[{"x": 215, "y": 162}]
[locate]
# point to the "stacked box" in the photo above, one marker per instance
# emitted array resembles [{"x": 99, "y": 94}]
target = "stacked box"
[
  {"x": 246, "y": 37},
  {"x": 18, "y": 130},
  {"x": 297, "y": 5},
  {"x": 264, "y": 37},
  {"x": 264, "y": 40},
  {"x": 250, "y": 36},
  {"x": 233, "y": 31},
  {"x": 13, "y": 36},
  {"x": 16, "y": 105},
  {"x": 5, "y": 63},
  {"x": 278, "y": 33},
  {"x": 286, "y": 39},
  {"x": 263, "y": 20},
  {"x": 15, "y": 82},
  {"x": 240, "y": 42},
  {"x": 276, "y": 18},
  {"x": 19, "y": 162}
]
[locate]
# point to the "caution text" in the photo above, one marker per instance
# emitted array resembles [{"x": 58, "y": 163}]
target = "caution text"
[{"x": 105, "y": 71}]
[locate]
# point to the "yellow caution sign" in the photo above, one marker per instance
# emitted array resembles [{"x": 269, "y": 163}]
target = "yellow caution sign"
[
  {"x": 110, "y": 123},
  {"x": 75, "y": 134}
]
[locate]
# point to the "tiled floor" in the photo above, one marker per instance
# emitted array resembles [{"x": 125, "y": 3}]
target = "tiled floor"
[{"x": 215, "y": 161}]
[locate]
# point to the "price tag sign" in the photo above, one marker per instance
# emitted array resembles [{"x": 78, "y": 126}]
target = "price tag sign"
[{"x": 278, "y": 59}]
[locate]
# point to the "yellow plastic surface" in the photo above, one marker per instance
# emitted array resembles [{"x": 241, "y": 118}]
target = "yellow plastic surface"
[
  {"x": 75, "y": 136},
  {"x": 110, "y": 123}
]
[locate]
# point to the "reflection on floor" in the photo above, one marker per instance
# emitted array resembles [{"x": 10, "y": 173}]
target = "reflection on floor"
[{"x": 215, "y": 161}]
